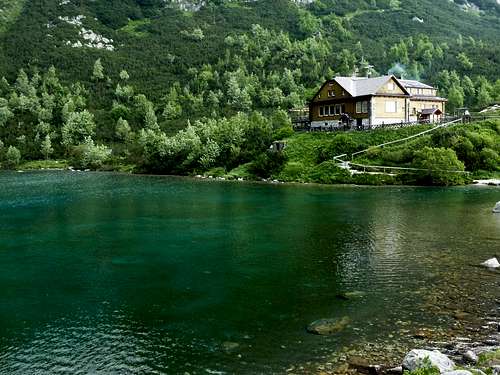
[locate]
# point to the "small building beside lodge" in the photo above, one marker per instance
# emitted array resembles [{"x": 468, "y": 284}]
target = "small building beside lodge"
[{"x": 361, "y": 102}]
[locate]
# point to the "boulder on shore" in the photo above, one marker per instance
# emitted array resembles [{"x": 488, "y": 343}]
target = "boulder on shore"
[
  {"x": 328, "y": 326},
  {"x": 417, "y": 359},
  {"x": 470, "y": 357},
  {"x": 496, "y": 209},
  {"x": 491, "y": 263},
  {"x": 458, "y": 372}
]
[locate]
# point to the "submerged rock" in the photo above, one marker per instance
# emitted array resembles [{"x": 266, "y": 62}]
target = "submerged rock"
[
  {"x": 328, "y": 326},
  {"x": 350, "y": 295},
  {"x": 491, "y": 263},
  {"x": 229, "y": 346},
  {"x": 460, "y": 315},
  {"x": 423, "y": 333},
  {"x": 362, "y": 365},
  {"x": 417, "y": 359}
]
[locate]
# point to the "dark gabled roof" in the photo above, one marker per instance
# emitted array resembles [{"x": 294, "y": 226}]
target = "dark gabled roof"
[
  {"x": 431, "y": 111},
  {"x": 414, "y": 84},
  {"x": 428, "y": 98}
]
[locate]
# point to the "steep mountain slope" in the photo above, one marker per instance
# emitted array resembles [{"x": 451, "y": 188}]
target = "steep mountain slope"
[
  {"x": 129, "y": 74},
  {"x": 157, "y": 42}
]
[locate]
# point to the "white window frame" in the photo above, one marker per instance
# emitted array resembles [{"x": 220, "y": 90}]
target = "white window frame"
[
  {"x": 359, "y": 107},
  {"x": 391, "y": 107}
]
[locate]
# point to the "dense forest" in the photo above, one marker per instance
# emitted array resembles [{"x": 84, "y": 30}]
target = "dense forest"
[{"x": 186, "y": 86}]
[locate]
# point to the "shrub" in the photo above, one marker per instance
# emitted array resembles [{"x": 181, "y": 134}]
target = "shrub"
[
  {"x": 329, "y": 172},
  {"x": 341, "y": 144},
  {"x": 12, "y": 158},
  {"x": 90, "y": 155},
  {"x": 441, "y": 164},
  {"x": 465, "y": 152},
  {"x": 490, "y": 160},
  {"x": 216, "y": 172},
  {"x": 283, "y": 133},
  {"x": 372, "y": 179},
  {"x": 268, "y": 164},
  {"x": 241, "y": 171},
  {"x": 293, "y": 171},
  {"x": 397, "y": 157}
]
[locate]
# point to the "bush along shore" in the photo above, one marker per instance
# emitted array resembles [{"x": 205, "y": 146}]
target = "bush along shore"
[
  {"x": 238, "y": 149},
  {"x": 44, "y": 119}
]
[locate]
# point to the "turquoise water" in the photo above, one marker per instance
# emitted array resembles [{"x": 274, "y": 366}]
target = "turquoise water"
[{"x": 118, "y": 274}]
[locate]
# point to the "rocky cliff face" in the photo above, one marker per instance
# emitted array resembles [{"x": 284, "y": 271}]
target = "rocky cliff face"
[{"x": 195, "y": 5}]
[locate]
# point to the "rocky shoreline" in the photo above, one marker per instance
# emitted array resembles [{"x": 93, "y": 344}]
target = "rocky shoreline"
[
  {"x": 469, "y": 302},
  {"x": 469, "y": 355}
]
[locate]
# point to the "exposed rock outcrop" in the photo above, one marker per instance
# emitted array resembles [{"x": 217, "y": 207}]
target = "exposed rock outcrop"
[{"x": 421, "y": 358}]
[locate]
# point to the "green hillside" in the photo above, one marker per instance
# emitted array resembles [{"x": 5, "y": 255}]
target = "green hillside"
[
  {"x": 159, "y": 46},
  {"x": 131, "y": 73}
]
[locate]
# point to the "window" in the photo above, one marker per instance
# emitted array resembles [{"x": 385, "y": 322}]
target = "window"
[
  {"x": 338, "y": 109},
  {"x": 390, "y": 86},
  {"x": 343, "y": 93},
  {"x": 364, "y": 107},
  {"x": 321, "y": 111},
  {"x": 331, "y": 93},
  {"x": 391, "y": 107},
  {"x": 332, "y": 110}
]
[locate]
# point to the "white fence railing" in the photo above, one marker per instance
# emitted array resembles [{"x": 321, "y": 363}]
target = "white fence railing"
[{"x": 349, "y": 165}]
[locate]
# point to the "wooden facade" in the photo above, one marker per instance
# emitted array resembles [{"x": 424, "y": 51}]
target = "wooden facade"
[{"x": 371, "y": 101}]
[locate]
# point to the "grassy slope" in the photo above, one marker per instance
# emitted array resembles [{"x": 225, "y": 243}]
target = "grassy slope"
[
  {"x": 310, "y": 154},
  {"x": 304, "y": 147}
]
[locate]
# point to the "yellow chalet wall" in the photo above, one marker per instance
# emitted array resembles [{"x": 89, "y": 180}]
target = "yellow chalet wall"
[
  {"x": 331, "y": 90},
  {"x": 371, "y": 101},
  {"x": 388, "y": 109},
  {"x": 392, "y": 87},
  {"x": 390, "y": 103}
]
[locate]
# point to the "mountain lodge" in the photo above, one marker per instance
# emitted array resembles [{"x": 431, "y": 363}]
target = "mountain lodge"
[{"x": 361, "y": 102}]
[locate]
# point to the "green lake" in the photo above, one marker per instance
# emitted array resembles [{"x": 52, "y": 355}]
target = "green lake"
[{"x": 117, "y": 274}]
